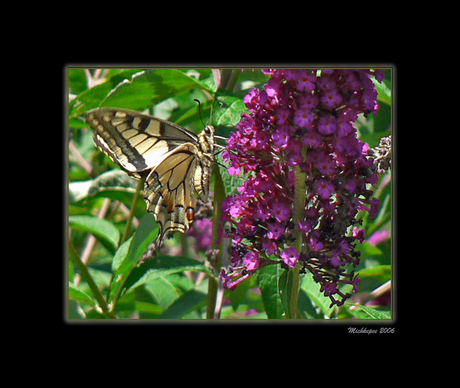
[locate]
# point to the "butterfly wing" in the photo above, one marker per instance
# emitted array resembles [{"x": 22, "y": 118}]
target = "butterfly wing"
[
  {"x": 169, "y": 190},
  {"x": 174, "y": 161},
  {"x": 135, "y": 141}
]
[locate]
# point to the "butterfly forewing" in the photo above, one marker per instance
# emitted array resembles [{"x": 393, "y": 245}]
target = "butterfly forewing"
[
  {"x": 133, "y": 140},
  {"x": 174, "y": 161}
]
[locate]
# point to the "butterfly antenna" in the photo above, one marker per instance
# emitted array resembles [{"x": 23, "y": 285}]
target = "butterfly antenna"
[
  {"x": 199, "y": 110},
  {"x": 212, "y": 108}
]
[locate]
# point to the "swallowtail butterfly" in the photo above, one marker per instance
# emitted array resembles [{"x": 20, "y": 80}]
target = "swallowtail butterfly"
[{"x": 174, "y": 161}]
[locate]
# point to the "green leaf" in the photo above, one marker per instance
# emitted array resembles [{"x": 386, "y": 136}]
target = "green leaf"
[
  {"x": 367, "y": 249},
  {"x": 306, "y": 306},
  {"x": 230, "y": 182},
  {"x": 285, "y": 290},
  {"x": 102, "y": 229},
  {"x": 161, "y": 266},
  {"x": 91, "y": 98},
  {"x": 135, "y": 89},
  {"x": 138, "y": 244},
  {"x": 186, "y": 303},
  {"x": 367, "y": 312},
  {"x": 188, "y": 112},
  {"x": 230, "y": 113},
  {"x": 381, "y": 272},
  {"x": 384, "y": 91},
  {"x": 151, "y": 87},
  {"x": 77, "y": 80},
  {"x": 312, "y": 289},
  {"x": 373, "y": 277},
  {"x": 80, "y": 296},
  {"x": 120, "y": 254},
  {"x": 164, "y": 290},
  {"x": 268, "y": 283}
]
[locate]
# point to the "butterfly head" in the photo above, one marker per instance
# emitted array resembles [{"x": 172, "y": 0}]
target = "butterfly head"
[
  {"x": 209, "y": 130},
  {"x": 206, "y": 140}
]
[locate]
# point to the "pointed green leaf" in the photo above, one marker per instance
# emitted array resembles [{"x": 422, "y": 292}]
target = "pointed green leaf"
[
  {"x": 383, "y": 90},
  {"x": 186, "y": 303},
  {"x": 268, "y": 283},
  {"x": 230, "y": 113},
  {"x": 150, "y": 87},
  {"x": 120, "y": 254},
  {"x": 163, "y": 290},
  {"x": 102, "y": 229},
  {"x": 135, "y": 89},
  {"x": 162, "y": 266},
  {"x": 367, "y": 312},
  {"x": 91, "y": 98},
  {"x": 80, "y": 296},
  {"x": 142, "y": 238},
  {"x": 312, "y": 289},
  {"x": 284, "y": 287}
]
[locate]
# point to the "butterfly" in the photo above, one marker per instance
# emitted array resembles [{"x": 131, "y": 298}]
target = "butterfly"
[{"x": 174, "y": 161}]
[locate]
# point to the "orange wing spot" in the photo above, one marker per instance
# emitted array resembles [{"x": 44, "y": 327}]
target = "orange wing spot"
[{"x": 190, "y": 214}]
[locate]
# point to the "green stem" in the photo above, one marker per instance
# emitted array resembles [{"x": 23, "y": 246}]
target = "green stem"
[
  {"x": 233, "y": 78},
  {"x": 213, "y": 283},
  {"x": 140, "y": 183},
  {"x": 227, "y": 80},
  {"x": 128, "y": 226},
  {"x": 93, "y": 286},
  {"x": 295, "y": 291},
  {"x": 297, "y": 215}
]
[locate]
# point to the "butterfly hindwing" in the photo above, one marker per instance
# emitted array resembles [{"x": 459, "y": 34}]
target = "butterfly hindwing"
[
  {"x": 174, "y": 162},
  {"x": 169, "y": 190}
]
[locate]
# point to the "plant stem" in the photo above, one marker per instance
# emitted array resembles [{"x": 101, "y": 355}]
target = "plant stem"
[
  {"x": 91, "y": 240},
  {"x": 297, "y": 215},
  {"x": 214, "y": 285},
  {"x": 93, "y": 286},
  {"x": 295, "y": 291},
  {"x": 233, "y": 78},
  {"x": 127, "y": 228},
  {"x": 225, "y": 79},
  {"x": 131, "y": 211}
]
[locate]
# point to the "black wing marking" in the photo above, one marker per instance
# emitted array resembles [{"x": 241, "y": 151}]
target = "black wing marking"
[
  {"x": 169, "y": 190},
  {"x": 174, "y": 161}
]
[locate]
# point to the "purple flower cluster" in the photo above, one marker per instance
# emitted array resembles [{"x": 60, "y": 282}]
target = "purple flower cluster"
[{"x": 301, "y": 125}]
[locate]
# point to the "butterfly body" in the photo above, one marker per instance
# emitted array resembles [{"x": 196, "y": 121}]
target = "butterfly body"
[{"x": 174, "y": 161}]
